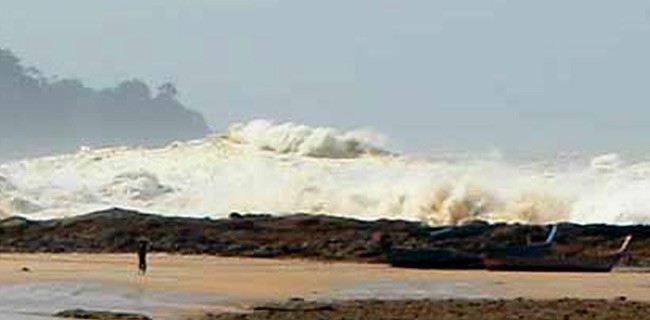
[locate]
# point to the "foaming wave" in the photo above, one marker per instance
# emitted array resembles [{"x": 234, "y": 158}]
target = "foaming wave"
[
  {"x": 303, "y": 140},
  {"x": 286, "y": 168}
]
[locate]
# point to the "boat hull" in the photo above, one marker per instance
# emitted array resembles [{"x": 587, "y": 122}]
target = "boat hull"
[
  {"x": 434, "y": 259},
  {"x": 551, "y": 264}
]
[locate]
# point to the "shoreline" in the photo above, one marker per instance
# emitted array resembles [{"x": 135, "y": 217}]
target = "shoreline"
[
  {"x": 263, "y": 279},
  {"x": 181, "y": 285},
  {"x": 203, "y": 266}
]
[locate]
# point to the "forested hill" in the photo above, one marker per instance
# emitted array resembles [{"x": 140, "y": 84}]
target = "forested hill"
[{"x": 41, "y": 115}]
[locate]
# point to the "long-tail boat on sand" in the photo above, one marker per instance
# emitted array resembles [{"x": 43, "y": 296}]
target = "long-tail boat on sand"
[
  {"x": 555, "y": 263},
  {"x": 443, "y": 258},
  {"x": 433, "y": 258},
  {"x": 532, "y": 249}
]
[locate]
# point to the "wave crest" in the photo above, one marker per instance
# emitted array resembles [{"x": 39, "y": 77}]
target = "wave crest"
[{"x": 320, "y": 142}]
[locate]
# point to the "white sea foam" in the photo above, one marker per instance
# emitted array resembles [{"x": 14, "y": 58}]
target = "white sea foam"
[
  {"x": 303, "y": 140},
  {"x": 284, "y": 168}
]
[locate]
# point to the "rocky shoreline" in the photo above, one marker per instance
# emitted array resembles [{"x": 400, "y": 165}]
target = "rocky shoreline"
[
  {"x": 308, "y": 236},
  {"x": 573, "y": 309}
]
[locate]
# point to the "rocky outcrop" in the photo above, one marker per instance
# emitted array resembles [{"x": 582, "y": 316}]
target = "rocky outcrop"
[
  {"x": 295, "y": 236},
  {"x": 446, "y": 309},
  {"x": 100, "y": 315}
]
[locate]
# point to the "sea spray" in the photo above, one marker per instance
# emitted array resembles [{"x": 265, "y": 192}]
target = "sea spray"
[
  {"x": 303, "y": 140},
  {"x": 283, "y": 168}
]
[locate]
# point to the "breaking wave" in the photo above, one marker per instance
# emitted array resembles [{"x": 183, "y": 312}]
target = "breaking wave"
[
  {"x": 281, "y": 168},
  {"x": 306, "y": 141}
]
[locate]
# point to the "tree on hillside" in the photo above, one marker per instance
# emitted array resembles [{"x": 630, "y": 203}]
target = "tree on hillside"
[{"x": 41, "y": 115}]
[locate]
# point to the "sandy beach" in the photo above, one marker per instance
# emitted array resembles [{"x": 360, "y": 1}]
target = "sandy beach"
[{"x": 179, "y": 285}]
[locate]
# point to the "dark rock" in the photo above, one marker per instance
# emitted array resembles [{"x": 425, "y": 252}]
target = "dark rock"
[
  {"x": 295, "y": 305},
  {"x": 488, "y": 309},
  {"x": 266, "y": 252},
  {"x": 235, "y": 215},
  {"x": 100, "y": 315},
  {"x": 235, "y": 249},
  {"x": 297, "y": 236}
]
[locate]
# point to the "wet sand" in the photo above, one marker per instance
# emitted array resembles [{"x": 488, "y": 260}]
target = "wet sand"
[{"x": 179, "y": 284}]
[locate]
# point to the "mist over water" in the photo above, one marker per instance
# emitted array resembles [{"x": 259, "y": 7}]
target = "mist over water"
[
  {"x": 283, "y": 168},
  {"x": 41, "y": 114}
]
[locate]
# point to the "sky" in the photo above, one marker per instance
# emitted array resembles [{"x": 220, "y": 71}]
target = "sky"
[{"x": 518, "y": 76}]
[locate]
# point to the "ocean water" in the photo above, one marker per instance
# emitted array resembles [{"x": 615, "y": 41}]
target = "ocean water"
[
  {"x": 262, "y": 166},
  {"x": 39, "y": 300}
]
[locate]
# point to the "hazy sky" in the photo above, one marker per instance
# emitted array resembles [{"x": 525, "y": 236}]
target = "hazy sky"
[{"x": 527, "y": 76}]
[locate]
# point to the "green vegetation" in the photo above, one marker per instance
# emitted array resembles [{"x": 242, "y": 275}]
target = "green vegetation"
[{"x": 41, "y": 115}]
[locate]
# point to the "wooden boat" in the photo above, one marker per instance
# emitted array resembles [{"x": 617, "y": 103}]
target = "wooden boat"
[
  {"x": 433, "y": 259},
  {"x": 440, "y": 258},
  {"x": 555, "y": 263},
  {"x": 533, "y": 249}
]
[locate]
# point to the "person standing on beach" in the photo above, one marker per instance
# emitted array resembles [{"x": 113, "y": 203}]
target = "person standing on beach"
[{"x": 143, "y": 248}]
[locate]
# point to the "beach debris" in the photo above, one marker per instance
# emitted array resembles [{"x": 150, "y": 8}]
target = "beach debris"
[{"x": 25, "y": 269}]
